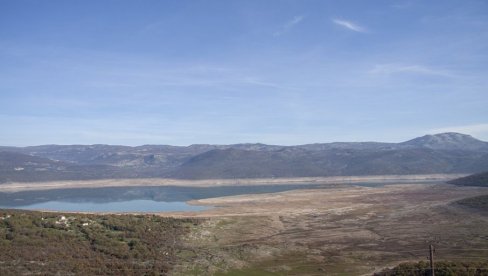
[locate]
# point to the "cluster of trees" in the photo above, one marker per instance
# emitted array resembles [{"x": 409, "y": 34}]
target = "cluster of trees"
[{"x": 83, "y": 244}]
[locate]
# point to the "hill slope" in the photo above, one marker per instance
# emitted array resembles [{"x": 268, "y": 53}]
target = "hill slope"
[
  {"x": 232, "y": 163},
  {"x": 18, "y": 167},
  {"x": 479, "y": 179},
  {"x": 447, "y": 141},
  {"x": 440, "y": 153}
]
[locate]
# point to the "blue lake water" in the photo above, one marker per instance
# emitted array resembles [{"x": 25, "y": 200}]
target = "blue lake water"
[
  {"x": 141, "y": 199},
  {"x": 142, "y": 205},
  {"x": 130, "y": 199}
]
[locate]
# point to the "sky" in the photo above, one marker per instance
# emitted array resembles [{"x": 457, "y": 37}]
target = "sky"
[{"x": 223, "y": 72}]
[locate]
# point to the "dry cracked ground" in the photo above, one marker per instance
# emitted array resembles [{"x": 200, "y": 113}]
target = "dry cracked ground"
[{"x": 337, "y": 231}]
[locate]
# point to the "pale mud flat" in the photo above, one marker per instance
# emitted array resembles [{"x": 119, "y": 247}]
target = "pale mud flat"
[
  {"x": 336, "y": 231},
  {"x": 161, "y": 182}
]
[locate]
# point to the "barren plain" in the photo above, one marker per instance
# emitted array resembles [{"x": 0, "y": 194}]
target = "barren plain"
[
  {"x": 140, "y": 182},
  {"x": 337, "y": 231}
]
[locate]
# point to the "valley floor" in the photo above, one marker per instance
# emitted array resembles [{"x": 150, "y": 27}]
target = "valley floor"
[
  {"x": 343, "y": 231},
  {"x": 141, "y": 182}
]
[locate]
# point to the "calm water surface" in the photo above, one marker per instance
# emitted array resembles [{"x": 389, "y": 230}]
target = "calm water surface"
[
  {"x": 130, "y": 199},
  {"x": 142, "y": 205},
  {"x": 141, "y": 199}
]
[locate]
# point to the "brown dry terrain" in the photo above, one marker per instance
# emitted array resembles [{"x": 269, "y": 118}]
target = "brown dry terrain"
[
  {"x": 67, "y": 184},
  {"x": 339, "y": 231}
]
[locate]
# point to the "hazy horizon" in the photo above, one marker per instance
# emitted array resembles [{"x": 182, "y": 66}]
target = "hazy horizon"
[
  {"x": 318, "y": 142},
  {"x": 228, "y": 72}
]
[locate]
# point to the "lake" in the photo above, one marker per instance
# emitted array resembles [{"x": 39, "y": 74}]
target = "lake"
[
  {"x": 142, "y": 205},
  {"x": 131, "y": 199},
  {"x": 142, "y": 199}
]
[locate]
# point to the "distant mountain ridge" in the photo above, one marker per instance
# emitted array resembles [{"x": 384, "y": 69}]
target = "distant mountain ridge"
[
  {"x": 449, "y": 141},
  {"x": 439, "y": 153}
]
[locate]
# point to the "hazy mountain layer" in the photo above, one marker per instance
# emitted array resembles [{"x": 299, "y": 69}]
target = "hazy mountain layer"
[{"x": 441, "y": 153}]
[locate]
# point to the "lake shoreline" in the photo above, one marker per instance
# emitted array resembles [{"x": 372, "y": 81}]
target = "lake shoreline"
[{"x": 148, "y": 182}]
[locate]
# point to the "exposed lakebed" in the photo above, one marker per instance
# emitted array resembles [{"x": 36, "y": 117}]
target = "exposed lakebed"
[{"x": 138, "y": 199}]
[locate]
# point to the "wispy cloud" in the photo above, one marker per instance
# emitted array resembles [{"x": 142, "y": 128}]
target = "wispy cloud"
[
  {"x": 288, "y": 25},
  {"x": 178, "y": 76},
  {"x": 349, "y": 25},
  {"x": 386, "y": 69},
  {"x": 479, "y": 131}
]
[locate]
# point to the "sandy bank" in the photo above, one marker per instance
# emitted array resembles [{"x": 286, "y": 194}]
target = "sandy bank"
[{"x": 33, "y": 186}]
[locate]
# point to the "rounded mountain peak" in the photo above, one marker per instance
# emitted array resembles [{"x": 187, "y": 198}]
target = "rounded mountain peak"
[{"x": 447, "y": 140}]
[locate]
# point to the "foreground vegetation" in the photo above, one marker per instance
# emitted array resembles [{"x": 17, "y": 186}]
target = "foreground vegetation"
[
  {"x": 441, "y": 269},
  {"x": 82, "y": 244}
]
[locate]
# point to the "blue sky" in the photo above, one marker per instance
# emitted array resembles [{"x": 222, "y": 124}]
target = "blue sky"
[{"x": 221, "y": 72}]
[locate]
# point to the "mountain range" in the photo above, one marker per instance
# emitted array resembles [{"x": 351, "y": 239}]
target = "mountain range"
[{"x": 439, "y": 153}]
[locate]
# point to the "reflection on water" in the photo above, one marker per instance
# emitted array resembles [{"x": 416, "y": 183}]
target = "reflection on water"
[
  {"x": 130, "y": 199},
  {"x": 119, "y": 206},
  {"x": 143, "y": 199}
]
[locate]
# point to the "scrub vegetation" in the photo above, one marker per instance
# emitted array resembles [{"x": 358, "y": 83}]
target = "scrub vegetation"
[{"x": 82, "y": 244}]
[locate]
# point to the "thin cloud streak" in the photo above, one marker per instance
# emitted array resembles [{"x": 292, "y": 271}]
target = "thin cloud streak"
[
  {"x": 180, "y": 77},
  {"x": 387, "y": 69},
  {"x": 288, "y": 25},
  {"x": 349, "y": 25}
]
